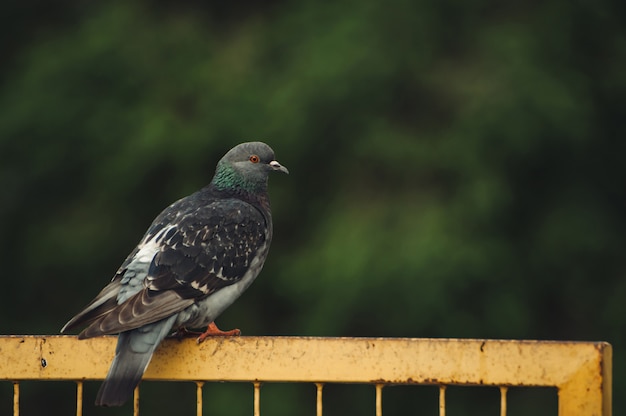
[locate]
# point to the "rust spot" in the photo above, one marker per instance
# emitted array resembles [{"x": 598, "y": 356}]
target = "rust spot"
[{"x": 431, "y": 381}]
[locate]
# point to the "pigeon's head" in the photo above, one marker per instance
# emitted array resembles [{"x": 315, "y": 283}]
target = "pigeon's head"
[{"x": 246, "y": 166}]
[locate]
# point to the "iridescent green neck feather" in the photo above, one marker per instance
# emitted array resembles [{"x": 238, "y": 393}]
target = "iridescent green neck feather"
[{"x": 228, "y": 178}]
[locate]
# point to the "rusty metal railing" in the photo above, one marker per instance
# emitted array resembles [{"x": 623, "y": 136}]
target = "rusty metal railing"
[{"x": 580, "y": 371}]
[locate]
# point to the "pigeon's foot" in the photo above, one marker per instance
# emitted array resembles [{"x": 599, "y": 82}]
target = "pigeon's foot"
[{"x": 213, "y": 331}]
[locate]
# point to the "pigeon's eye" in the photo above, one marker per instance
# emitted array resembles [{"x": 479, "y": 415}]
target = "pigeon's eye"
[{"x": 254, "y": 159}]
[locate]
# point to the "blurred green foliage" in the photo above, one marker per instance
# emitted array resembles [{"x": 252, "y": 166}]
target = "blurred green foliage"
[{"x": 457, "y": 167}]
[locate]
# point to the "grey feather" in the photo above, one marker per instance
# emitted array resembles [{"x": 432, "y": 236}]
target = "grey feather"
[{"x": 132, "y": 356}]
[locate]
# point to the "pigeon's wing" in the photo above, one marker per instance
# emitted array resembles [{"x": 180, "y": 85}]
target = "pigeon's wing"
[
  {"x": 128, "y": 280},
  {"x": 104, "y": 302},
  {"x": 199, "y": 253}
]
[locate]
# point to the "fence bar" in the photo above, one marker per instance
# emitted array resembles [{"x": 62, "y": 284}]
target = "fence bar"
[
  {"x": 136, "y": 402},
  {"x": 379, "y": 399},
  {"x": 442, "y": 400},
  {"x": 199, "y": 385},
  {"x": 318, "y": 406},
  {"x": 257, "y": 398},
  {"x": 79, "y": 398},
  {"x": 16, "y": 398},
  {"x": 580, "y": 371},
  {"x": 503, "y": 391}
]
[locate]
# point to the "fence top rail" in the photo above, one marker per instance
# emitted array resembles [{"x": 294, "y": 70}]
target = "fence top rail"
[{"x": 312, "y": 359}]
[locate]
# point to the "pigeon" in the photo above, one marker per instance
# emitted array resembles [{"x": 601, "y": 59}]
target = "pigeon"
[{"x": 197, "y": 257}]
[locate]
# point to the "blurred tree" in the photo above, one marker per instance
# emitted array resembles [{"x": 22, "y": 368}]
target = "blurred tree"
[{"x": 456, "y": 167}]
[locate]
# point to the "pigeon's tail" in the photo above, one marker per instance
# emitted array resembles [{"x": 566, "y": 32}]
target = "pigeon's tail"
[{"x": 132, "y": 356}]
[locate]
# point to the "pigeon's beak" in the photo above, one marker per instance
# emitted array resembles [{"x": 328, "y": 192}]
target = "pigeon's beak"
[{"x": 277, "y": 166}]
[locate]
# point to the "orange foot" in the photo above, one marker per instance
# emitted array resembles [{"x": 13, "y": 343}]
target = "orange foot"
[{"x": 213, "y": 331}]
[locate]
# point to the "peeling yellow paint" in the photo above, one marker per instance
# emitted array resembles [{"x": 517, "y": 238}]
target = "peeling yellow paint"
[{"x": 581, "y": 371}]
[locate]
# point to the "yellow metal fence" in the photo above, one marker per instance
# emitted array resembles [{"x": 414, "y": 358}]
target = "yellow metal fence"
[{"x": 580, "y": 371}]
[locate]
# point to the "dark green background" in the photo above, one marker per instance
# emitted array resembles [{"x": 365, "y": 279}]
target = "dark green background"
[{"x": 457, "y": 170}]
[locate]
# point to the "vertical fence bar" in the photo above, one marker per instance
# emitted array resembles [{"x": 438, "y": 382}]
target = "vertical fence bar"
[
  {"x": 79, "y": 398},
  {"x": 257, "y": 398},
  {"x": 503, "y": 391},
  {"x": 136, "y": 402},
  {"x": 379, "y": 399},
  {"x": 442, "y": 400},
  {"x": 199, "y": 385},
  {"x": 16, "y": 398},
  {"x": 318, "y": 401}
]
